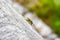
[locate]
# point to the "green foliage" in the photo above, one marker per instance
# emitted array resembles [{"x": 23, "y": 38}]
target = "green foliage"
[{"x": 50, "y": 9}]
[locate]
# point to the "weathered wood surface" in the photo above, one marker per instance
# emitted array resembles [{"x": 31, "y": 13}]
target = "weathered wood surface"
[{"x": 13, "y": 26}]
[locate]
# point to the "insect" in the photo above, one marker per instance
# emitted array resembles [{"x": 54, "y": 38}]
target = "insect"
[{"x": 29, "y": 21}]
